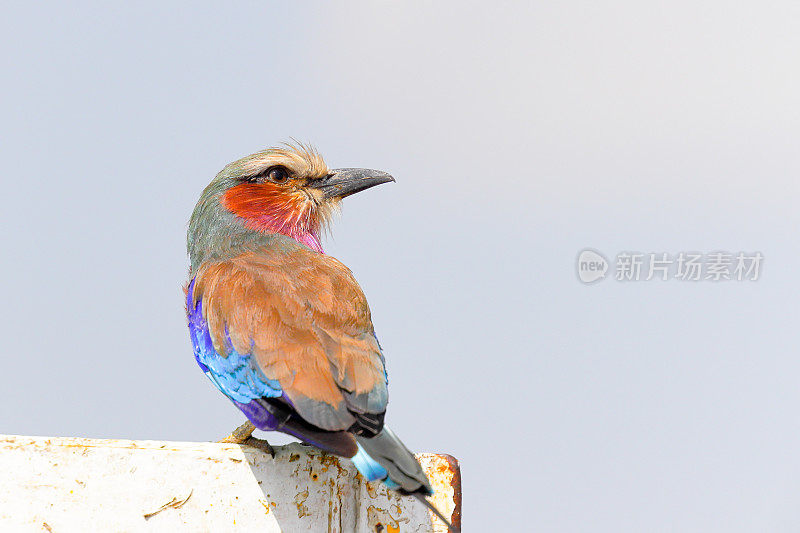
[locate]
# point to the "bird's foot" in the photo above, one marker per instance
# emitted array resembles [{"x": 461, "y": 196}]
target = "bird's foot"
[
  {"x": 240, "y": 434},
  {"x": 261, "y": 444},
  {"x": 244, "y": 435}
]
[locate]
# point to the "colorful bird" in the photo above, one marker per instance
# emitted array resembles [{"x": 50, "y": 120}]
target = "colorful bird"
[{"x": 282, "y": 329}]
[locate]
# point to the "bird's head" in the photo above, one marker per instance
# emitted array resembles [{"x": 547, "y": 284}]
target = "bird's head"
[{"x": 287, "y": 190}]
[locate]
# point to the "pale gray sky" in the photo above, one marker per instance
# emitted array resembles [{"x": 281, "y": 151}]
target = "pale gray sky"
[{"x": 518, "y": 136}]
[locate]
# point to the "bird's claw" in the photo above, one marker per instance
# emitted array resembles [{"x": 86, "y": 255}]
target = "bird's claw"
[
  {"x": 261, "y": 444},
  {"x": 240, "y": 434},
  {"x": 244, "y": 435}
]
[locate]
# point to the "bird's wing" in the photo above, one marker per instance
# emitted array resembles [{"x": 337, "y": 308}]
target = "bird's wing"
[{"x": 305, "y": 320}]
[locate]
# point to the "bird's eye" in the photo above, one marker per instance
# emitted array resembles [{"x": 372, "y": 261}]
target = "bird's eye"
[{"x": 277, "y": 175}]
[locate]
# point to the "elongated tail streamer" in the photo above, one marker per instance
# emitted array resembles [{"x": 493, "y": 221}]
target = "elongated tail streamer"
[{"x": 434, "y": 510}]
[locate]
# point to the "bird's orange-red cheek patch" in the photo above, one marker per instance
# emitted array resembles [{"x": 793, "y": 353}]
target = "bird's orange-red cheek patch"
[
  {"x": 255, "y": 200},
  {"x": 269, "y": 207}
]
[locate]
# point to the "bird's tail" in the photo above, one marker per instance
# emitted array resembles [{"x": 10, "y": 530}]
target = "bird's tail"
[
  {"x": 437, "y": 512},
  {"x": 386, "y": 458},
  {"x": 400, "y": 464}
]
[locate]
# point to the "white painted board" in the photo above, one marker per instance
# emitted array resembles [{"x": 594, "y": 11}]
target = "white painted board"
[{"x": 83, "y": 485}]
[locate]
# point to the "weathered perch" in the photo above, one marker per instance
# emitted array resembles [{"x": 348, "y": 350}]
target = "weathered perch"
[{"x": 67, "y": 484}]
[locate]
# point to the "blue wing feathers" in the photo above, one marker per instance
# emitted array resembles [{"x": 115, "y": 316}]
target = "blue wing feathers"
[{"x": 237, "y": 375}]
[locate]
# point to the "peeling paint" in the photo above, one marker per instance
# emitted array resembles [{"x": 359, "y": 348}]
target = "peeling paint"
[{"x": 300, "y": 502}]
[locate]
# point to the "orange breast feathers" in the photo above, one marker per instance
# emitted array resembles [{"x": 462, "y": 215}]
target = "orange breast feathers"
[{"x": 306, "y": 321}]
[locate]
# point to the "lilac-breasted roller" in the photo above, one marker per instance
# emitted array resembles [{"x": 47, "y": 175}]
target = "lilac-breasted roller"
[{"x": 282, "y": 329}]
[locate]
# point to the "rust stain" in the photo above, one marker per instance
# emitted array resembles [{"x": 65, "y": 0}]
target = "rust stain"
[
  {"x": 454, "y": 468},
  {"x": 300, "y": 502},
  {"x": 372, "y": 488},
  {"x": 327, "y": 461},
  {"x": 294, "y": 457},
  {"x": 445, "y": 475},
  {"x": 451, "y": 470},
  {"x": 380, "y": 520}
]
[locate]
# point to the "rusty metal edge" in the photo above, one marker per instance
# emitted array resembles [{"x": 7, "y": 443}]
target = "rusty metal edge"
[{"x": 452, "y": 463}]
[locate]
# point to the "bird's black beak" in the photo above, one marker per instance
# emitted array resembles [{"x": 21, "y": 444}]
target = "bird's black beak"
[{"x": 343, "y": 182}]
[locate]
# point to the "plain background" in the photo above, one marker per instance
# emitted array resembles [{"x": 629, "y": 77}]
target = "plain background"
[{"x": 518, "y": 136}]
